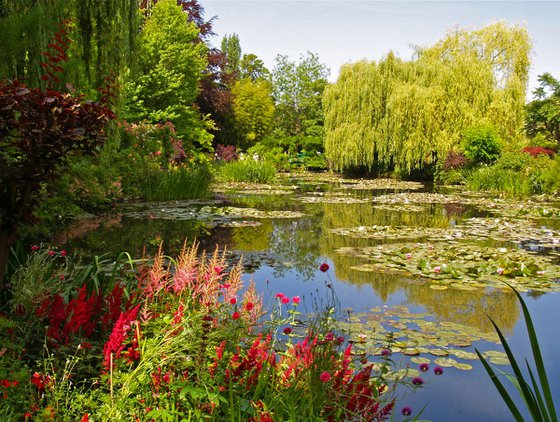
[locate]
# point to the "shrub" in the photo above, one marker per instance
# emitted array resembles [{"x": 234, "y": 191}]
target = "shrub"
[
  {"x": 536, "y": 151},
  {"x": 481, "y": 144},
  {"x": 454, "y": 160},
  {"x": 226, "y": 153}
]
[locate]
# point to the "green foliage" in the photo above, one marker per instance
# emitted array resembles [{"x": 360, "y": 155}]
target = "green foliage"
[
  {"x": 253, "y": 110},
  {"x": 247, "y": 170},
  {"x": 231, "y": 49},
  {"x": 103, "y": 35},
  {"x": 177, "y": 183},
  {"x": 170, "y": 65},
  {"x": 298, "y": 90},
  {"x": 253, "y": 68},
  {"x": 517, "y": 174},
  {"x": 543, "y": 114},
  {"x": 481, "y": 144},
  {"x": 535, "y": 389},
  {"x": 405, "y": 115}
]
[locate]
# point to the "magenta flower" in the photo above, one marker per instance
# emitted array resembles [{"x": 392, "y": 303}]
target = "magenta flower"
[
  {"x": 406, "y": 411},
  {"x": 63, "y": 252},
  {"x": 386, "y": 352},
  {"x": 329, "y": 336},
  {"x": 279, "y": 295},
  {"x": 340, "y": 339},
  {"x": 437, "y": 269},
  {"x": 438, "y": 370},
  {"x": 35, "y": 248},
  {"x": 417, "y": 381},
  {"x": 424, "y": 367},
  {"x": 285, "y": 300},
  {"x": 325, "y": 377},
  {"x": 287, "y": 331},
  {"x": 324, "y": 267},
  {"x": 296, "y": 300}
]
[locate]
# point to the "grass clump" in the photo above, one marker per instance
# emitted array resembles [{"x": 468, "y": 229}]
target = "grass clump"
[
  {"x": 247, "y": 170},
  {"x": 177, "y": 183}
]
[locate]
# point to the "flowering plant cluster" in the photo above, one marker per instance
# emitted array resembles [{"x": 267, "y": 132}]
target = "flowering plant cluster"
[
  {"x": 536, "y": 151},
  {"x": 190, "y": 340}
]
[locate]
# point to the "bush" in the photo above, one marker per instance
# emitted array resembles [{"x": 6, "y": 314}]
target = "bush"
[
  {"x": 247, "y": 170},
  {"x": 481, "y": 144}
]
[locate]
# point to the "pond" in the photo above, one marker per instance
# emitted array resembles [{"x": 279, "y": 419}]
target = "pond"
[{"x": 426, "y": 266}]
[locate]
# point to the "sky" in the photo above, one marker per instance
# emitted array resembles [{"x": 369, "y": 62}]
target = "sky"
[{"x": 346, "y": 31}]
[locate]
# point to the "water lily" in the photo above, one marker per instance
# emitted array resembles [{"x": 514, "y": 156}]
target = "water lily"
[
  {"x": 437, "y": 269},
  {"x": 500, "y": 271}
]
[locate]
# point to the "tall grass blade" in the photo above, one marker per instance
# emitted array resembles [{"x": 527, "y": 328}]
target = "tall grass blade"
[
  {"x": 538, "y": 393},
  {"x": 537, "y": 356},
  {"x": 501, "y": 389}
]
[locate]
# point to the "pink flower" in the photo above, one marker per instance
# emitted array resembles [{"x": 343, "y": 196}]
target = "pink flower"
[
  {"x": 233, "y": 301},
  {"x": 63, "y": 253},
  {"x": 235, "y": 315},
  {"x": 437, "y": 269},
  {"x": 287, "y": 331},
  {"x": 438, "y": 370},
  {"x": 279, "y": 295},
  {"x": 35, "y": 248},
  {"x": 285, "y": 300},
  {"x": 62, "y": 276},
  {"x": 325, "y": 377},
  {"x": 406, "y": 411},
  {"x": 324, "y": 267},
  {"x": 51, "y": 252},
  {"x": 500, "y": 271},
  {"x": 329, "y": 336},
  {"x": 417, "y": 381},
  {"x": 296, "y": 300},
  {"x": 540, "y": 272},
  {"x": 408, "y": 256}
]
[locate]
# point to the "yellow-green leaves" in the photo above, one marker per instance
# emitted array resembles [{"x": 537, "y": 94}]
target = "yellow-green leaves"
[{"x": 403, "y": 115}]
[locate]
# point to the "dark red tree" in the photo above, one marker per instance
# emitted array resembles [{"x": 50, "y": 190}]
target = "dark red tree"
[{"x": 39, "y": 131}]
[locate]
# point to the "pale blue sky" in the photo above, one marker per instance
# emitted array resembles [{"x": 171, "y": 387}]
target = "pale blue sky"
[{"x": 345, "y": 31}]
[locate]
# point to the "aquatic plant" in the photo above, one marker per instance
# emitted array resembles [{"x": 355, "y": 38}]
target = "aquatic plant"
[{"x": 535, "y": 390}]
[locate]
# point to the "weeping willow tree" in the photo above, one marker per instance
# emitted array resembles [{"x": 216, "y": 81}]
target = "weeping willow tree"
[
  {"x": 405, "y": 115},
  {"x": 103, "y": 34}
]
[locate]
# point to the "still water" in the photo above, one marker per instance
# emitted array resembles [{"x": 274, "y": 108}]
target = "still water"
[{"x": 402, "y": 258}]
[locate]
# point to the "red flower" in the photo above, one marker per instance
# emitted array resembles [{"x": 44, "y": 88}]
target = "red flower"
[
  {"x": 63, "y": 253},
  {"x": 296, "y": 300},
  {"x": 85, "y": 418},
  {"x": 35, "y": 248},
  {"x": 285, "y": 300},
  {"x": 51, "y": 252},
  {"x": 235, "y": 315},
  {"x": 287, "y": 331},
  {"x": 325, "y": 377},
  {"x": 324, "y": 267},
  {"x": 249, "y": 306},
  {"x": 233, "y": 301},
  {"x": 279, "y": 295}
]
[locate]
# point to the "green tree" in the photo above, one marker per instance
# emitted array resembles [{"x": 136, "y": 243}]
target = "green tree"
[
  {"x": 253, "y": 109},
  {"x": 406, "y": 115},
  {"x": 253, "y": 68},
  {"x": 298, "y": 91},
  {"x": 543, "y": 113},
  {"x": 103, "y": 35},
  {"x": 232, "y": 51},
  {"x": 171, "y": 62}
]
